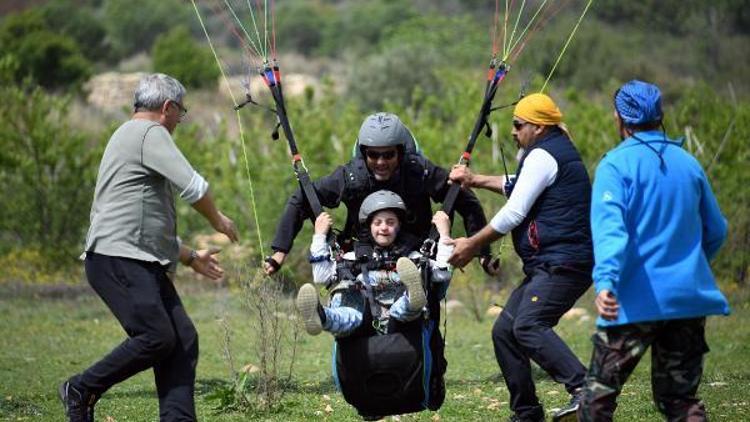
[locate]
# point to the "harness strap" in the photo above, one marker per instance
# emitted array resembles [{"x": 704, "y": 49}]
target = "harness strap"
[
  {"x": 307, "y": 188},
  {"x": 374, "y": 307},
  {"x": 363, "y": 254}
]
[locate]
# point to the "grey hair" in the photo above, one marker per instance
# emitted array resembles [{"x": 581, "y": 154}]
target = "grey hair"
[{"x": 154, "y": 89}]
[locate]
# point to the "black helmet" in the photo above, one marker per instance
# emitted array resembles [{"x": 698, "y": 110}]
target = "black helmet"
[{"x": 378, "y": 201}]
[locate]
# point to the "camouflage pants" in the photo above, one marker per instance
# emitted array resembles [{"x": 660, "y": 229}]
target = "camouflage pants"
[{"x": 677, "y": 350}]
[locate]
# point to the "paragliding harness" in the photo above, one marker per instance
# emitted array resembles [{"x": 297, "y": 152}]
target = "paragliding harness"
[
  {"x": 388, "y": 371},
  {"x": 395, "y": 369},
  {"x": 402, "y": 370}
]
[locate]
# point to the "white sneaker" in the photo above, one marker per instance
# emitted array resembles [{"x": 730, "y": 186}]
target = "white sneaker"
[
  {"x": 307, "y": 305},
  {"x": 412, "y": 279}
]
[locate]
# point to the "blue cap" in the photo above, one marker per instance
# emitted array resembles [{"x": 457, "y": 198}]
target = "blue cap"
[{"x": 638, "y": 103}]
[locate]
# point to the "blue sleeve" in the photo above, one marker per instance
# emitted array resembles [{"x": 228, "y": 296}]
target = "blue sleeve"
[
  {"x": 714, "y": 223},
  {"x": 608, "y": 230}
]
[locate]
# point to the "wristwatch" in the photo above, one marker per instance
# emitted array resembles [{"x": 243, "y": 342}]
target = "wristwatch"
[{"x": 191, "y": 258}]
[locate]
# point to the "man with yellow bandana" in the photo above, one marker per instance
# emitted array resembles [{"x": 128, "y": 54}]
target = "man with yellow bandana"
[{"x": 547, "y": 213}]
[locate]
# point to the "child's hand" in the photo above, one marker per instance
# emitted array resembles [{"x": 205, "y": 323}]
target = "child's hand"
[
  {"x": 323, "y": 223},
  {"x": 443, "y": 223}
]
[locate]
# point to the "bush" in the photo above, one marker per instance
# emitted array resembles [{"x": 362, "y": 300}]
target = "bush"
[
  {"x": 135, "y": 24},
  {"x": 358, "y": 26},
  {"x": 50, "y": 59},
  {"x": 411, "y": 60},
  {"x": 300, "y": 26},
  {"x": 47, "y": 175},
  {"x": 82, "y": 25},
  {"x": 177, "y": 54}
]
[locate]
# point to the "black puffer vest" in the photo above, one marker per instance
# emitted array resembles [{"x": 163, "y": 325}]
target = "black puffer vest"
[
  {"x": 408, "y": 183},
  {"x": 557, "y": 230}
]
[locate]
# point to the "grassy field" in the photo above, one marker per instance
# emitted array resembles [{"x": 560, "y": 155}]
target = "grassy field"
[{"x": 45, "y": 338}]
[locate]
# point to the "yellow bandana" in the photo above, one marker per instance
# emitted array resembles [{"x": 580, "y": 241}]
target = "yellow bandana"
[{"x": 538, "y": 109}]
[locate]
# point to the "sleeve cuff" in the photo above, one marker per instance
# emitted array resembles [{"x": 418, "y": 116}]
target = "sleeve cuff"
[
  {"x": 604, "y": 285},
  {"x": 195, "y": 189}
]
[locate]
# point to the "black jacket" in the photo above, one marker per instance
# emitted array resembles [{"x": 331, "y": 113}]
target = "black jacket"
[{"x": 417, "y": 181}]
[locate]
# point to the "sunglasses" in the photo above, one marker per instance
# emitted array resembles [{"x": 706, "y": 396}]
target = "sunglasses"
[
  {"x": 518, "y": 125},
  {"x": 375, "y": 155}
]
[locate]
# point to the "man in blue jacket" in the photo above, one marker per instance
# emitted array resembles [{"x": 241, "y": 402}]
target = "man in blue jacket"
[{"x": 655, "y": 224}]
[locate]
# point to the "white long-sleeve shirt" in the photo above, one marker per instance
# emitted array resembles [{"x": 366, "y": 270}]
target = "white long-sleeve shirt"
[{"x": 539, "y": 172}]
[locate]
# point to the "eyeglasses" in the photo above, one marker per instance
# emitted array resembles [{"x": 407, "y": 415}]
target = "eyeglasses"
[
  {"x": 183, "y": 110},
  {"x": 375, "y": 155},
  {"x": 519, "y": 124}
]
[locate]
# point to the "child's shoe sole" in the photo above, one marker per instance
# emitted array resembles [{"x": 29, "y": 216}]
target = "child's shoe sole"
[
  {"x": 307, "y": 305},
  {"x": 412, "y": 279}
]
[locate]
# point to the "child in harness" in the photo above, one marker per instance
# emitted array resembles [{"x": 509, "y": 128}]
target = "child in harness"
[{"x": 394, "y": 280}]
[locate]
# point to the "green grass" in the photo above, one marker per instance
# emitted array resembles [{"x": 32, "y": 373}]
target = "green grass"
[{"x": 45, "y": 340}]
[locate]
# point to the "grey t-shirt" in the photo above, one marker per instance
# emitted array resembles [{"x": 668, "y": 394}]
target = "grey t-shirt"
[{"x": 133, "y": 213}]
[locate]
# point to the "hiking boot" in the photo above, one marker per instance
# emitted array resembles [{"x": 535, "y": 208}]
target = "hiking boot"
[
  {"x": 412, "y": 279},
  {"x": 79, "y": 404},
  {"x": 568, "y": 413},
  {"x": 309, "y": 307}
]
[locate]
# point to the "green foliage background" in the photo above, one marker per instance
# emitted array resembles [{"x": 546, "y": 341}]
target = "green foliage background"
[
  {"x": 177, "y": 54},
  {"x": 421, "y": 59}
]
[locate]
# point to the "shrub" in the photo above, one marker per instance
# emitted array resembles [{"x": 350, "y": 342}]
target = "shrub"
[
  {"x": 50, "y": 59},
  {"x": 81, "y": 24},
  {"x": 47, "y": 176},
  {"x": 133, "y": 25},
  {"x": 177, "y": 54}
]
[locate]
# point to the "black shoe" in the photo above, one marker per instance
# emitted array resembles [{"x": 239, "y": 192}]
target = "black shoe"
[
  {"x": 568, "y": 413},
  {"x": 79, "y": 405},
  {"x": 516, "y": 418}
]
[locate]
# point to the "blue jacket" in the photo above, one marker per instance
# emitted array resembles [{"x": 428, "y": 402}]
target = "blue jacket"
[{"x": 655, "y": 225}]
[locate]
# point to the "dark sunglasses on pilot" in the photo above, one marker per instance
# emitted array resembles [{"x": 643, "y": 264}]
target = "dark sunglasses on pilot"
[
  {"x": 375, "y": 155},
  {"x": 518, "y": 125}
]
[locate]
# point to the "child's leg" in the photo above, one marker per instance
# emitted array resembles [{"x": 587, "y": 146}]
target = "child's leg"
[
  {"x": 400, "y": 310},
  {"x": 340, "y": 319}
]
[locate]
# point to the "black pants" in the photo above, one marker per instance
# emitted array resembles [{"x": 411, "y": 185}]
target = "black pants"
[
  {"x": 677, "y": 350},
  {"x": 523, "y": 332},
  {"x": 160, "y": 334}
]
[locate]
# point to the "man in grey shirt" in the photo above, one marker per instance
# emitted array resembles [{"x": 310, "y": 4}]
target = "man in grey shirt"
[{"x": 131, "y": 249}]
